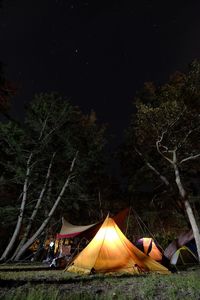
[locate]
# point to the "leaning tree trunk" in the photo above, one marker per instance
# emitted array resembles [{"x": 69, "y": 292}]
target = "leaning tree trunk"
[
  {"x": 46, "y": 221},
  {"x": 182, "y": 192},
  {"x": 188, "y": 209},
  {"x": 21, "y": 213},
  {"x": 34, "y": 213}
]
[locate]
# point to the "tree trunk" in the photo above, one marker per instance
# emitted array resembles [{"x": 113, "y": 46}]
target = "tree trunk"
[
  {"x": 21, "y": 213},
  {"x": 46, "y": 221},
  {"x": 34, "y": 213},
  {"x": 193, "y": 225},
  {"x": 182, "y": 194},
  {"x": 188, "y": 209}
]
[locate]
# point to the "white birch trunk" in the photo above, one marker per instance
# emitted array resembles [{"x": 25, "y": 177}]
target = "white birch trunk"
[
  {"x": 188, "y": 209},
  {"x": 182, "y": 192},
  {"x": 34, "y": 213},
  {"x": 21, "y": 213},
  {"x": 46, "y": 221}
]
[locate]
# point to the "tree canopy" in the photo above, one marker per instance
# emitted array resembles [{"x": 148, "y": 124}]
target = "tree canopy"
[
  {"x": 166, "y": 118},
  {"x": 54, "y": 130},
  {"x": 164, "y": 135}
]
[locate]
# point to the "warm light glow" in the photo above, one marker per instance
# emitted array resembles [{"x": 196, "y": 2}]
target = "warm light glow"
[
  {"x": 51, "y": 244},
  {"x": 108, "y": 234}
]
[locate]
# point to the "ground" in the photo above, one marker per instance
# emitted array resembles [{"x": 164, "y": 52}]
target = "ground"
[{"x": 57, "y": 284}]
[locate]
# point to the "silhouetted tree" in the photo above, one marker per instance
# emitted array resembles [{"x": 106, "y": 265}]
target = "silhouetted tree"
[
  {"x": 165, "y": 134},
  {"x": 42, "y": 152}
]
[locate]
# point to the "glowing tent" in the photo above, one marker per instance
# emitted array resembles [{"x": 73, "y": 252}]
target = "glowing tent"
[{"x": 110, "y": 251}]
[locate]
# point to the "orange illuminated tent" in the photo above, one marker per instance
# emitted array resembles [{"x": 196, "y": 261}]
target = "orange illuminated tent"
[
  {"x": 110, "y": 251},
  {"x": 149, "y": 247}
]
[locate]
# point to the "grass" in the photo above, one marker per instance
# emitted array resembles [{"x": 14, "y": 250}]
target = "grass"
[{"x": 57, "y": 285}]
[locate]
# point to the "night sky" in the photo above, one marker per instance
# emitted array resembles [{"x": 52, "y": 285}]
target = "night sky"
[{"x": 96, "y": 53}]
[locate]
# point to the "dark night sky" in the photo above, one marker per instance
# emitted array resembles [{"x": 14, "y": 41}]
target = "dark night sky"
[{"x": 97, "y": 53}]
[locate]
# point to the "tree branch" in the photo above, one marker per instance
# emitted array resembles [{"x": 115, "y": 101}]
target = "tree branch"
[
  {"x": 177, "y": 119},
  {"x": 158, "y": 144},
  {"x": 43, "y": 128},
  {"x": 151, "y": 167},
  {"x": 192, "y": 157}
]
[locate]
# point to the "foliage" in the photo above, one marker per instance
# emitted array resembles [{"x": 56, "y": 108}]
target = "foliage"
[
  {"x": 52, "y": 126},
  {"x": 70, "y": 131},
  {"x": 166, "y": 119}
]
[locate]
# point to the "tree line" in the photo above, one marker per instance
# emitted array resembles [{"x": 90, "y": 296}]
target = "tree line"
[{"x": 56, "y": 161}]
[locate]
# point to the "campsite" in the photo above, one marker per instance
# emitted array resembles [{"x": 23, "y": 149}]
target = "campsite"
[
  {"x": 71, "y": 232},
  {"x": 108, "y": 267},
  {"x": 99, "y": 150}
]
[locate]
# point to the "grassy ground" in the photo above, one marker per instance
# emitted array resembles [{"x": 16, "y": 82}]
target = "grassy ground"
[{"x": 20, "y": 283}]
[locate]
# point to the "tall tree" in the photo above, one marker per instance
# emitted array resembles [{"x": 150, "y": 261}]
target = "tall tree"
[
  {"x": 165, "y": 134},
  {"x": 54, "y": 131}
]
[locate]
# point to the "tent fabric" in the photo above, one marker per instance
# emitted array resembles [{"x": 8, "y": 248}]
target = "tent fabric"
[
  {"x": 110, "y": 251},
  {"x": 192, "y": 246},
  {"x": 183, "y": 256},
  {"x": 69, "y": 230},
  {"x": 182, "y": 240},
  {"x": 171, "y": 249},
  {"x": 149, "y": 247},
  {"x": 185, "y": 237}
]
